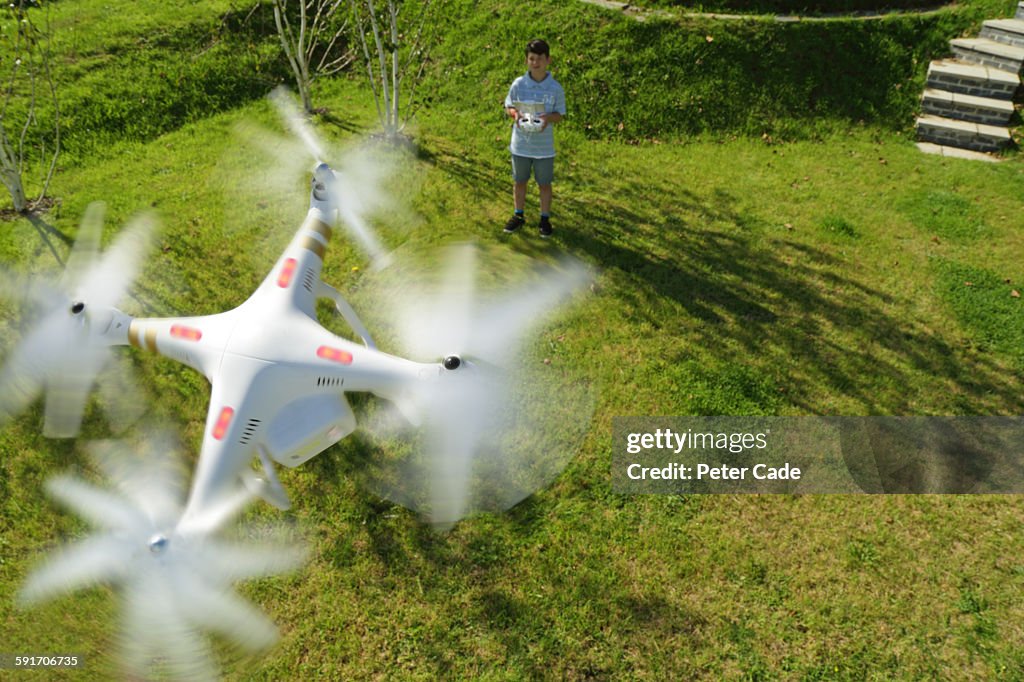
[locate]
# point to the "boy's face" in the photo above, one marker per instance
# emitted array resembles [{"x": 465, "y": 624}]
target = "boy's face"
[{"x": 538, "y": 65}]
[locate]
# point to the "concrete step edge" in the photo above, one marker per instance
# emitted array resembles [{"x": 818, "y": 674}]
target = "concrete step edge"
[
  {"x": 971, "y": 70},
  {"x": 1002, "y": 106},
  {"x": 978, "y": 130},
  {"x": 956, "y": 152},
  {"x": 1008, "y": 25},
  {"x": 991, "y": 47}
]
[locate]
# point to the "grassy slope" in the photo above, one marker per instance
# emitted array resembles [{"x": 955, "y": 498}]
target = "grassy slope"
[
  {"x": 736, "y": 277},
  {"x": 665, "y": 77}
]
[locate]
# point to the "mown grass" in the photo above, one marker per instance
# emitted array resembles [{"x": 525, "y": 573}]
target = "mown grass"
[
  {"x": 674, "y": 74},
  {"x": 173, "y": 67},
  {"x": 735, "y": 276}
]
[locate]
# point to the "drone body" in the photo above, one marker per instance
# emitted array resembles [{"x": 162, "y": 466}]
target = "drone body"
[{"x": 278, "y": 377}]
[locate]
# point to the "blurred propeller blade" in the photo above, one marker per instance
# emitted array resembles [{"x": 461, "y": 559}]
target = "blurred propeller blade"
[
  {"x": 453, "y": 321},
  {"x": 64, "y": 352},
  {"x": 88, "y": 563},
  {"x": 175, "y": 578},
  {"x": 483, "y": 443},
  {"x": 87, "y": 245},
  {"x": 297, "y": 123},
  {"x": 355, "y": 190}
]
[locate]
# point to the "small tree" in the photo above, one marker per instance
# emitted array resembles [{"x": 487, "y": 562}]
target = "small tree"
[
  {"x": 401, "y": 40},
  {"x": 315, "y": 45},
  {"x": 25, "y": 58}
]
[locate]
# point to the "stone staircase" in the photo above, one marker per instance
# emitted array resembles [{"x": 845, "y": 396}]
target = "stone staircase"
[{"x": 968, "y": 100}]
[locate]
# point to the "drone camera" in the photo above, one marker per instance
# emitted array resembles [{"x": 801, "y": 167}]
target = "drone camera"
[
  {"x": 77, "y": 307},
  {"x": 452, "y": 362}
]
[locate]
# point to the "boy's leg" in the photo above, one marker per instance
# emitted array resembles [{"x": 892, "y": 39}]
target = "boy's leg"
[
  {"x": 544, "y": 171},
  {"x": 520, "y": 175},
  {"x": 545, "y": 211},
  {"x": 545, "y": 199},
  {"x": 519, "y": 196}
]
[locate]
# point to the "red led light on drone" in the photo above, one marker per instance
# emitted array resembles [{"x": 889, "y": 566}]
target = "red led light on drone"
[
  {"x": 179, "y": 331},
  {"x": 334, "y": 355},
  {"x": 223, "y": 422},
  {"x": 287, "y": 272}
]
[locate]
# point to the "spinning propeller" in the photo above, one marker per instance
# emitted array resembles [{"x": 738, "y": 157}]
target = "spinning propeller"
[
  {"x": 62, "y": 354},
  {"x": 495, "y": 428},
  {"x": 349, "y": 194},
  {"x": 174, "y": 574}
]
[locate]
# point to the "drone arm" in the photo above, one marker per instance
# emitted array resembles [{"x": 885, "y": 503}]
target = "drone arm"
[
  {"x": 197, "y": 342},
  {"x": 329, "y": 292},
  {"x": 226, "y": 450}
]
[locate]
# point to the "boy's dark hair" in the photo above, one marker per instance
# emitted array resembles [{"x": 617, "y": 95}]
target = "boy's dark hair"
[{"x": 538, "y": 46}]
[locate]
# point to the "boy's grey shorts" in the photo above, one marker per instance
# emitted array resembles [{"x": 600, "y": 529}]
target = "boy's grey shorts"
[{"x": 543, "y": 169}]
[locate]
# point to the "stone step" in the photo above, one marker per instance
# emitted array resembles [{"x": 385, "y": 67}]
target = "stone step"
[
  {"x": 1008, "y": 31},
  {"x": 1020, "y": 10},
  {"x": 963, "y": 134},
  {"x": 989, "y": 53},
  {"x": 966, "y": 107},
  {"x": 972, "y": 79},
  {"x": 956, "y": 152}
]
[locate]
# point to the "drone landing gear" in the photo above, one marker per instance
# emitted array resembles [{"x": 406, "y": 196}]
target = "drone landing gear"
[
  {"x": 343, "y": 307},
  {"x": 268, "y": 488}
]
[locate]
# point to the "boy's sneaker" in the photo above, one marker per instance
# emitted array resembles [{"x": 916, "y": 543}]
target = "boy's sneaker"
[
  {"x": 545, "y": 226},
  {"x": 514, "y": 223}
]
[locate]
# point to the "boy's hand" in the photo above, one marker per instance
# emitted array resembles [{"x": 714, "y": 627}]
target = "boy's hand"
[{"x": 549, "y": 118}]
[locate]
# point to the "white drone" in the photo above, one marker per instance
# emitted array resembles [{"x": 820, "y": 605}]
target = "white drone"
[{"x": 279, "y": 382}]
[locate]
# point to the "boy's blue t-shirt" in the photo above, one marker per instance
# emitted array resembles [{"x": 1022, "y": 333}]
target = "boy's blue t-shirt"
[{"x": 530, "y": 96}]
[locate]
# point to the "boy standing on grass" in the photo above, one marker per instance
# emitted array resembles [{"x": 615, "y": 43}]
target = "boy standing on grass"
[{"x": 534, "y": 95}]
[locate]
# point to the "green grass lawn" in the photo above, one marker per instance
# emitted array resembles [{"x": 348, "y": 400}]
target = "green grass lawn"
[{"x": 850, "y": 275}]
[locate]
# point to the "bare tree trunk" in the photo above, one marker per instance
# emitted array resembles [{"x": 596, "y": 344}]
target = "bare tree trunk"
[
  {"x": 385, "y": 88},
  {"x": 48, "y": 77},
  {"x": 30, "y": 63},
  {"x": 393, "y": 14},
  {"x": 10, "y": 172},
  {"x": 301, "y": 48},
  {"x": 398, "y": 58}
]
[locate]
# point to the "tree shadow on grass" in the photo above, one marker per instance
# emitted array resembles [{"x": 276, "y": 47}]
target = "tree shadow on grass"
[
  {"x": 46, "y": 231},
  {"x": 337, "y": 121},
  {"x": 486, "y": 181},
  {"x": 471, "y": 580},
  {"x": 758, "y": 294}
]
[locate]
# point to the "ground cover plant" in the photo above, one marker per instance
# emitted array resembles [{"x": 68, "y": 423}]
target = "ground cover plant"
[{"x": 824, "y": 273}]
